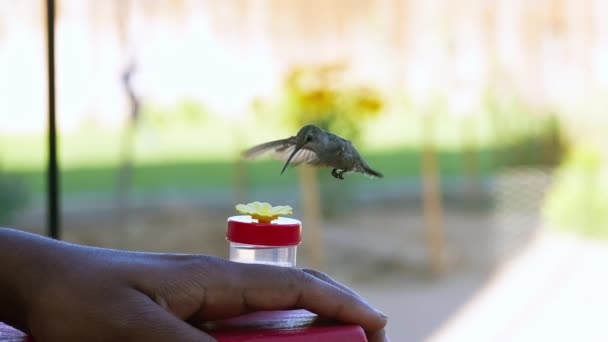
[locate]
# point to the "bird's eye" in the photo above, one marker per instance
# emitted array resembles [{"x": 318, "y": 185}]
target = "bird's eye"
[{"x": 308, "y": 138}]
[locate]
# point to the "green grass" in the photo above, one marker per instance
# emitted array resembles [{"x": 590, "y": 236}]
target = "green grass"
[
  {"x": 151, "y": 177},
  {"x": 95, "y": 147}
]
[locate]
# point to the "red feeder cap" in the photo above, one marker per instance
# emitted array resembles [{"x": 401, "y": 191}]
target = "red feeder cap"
[{"x": 280, "y": 232}]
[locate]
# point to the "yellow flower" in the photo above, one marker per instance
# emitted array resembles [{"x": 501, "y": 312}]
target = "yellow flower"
[{"x": 263, "y": 212}]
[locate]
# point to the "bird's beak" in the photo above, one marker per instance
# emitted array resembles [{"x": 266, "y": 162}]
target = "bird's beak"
[{"x": 295, "y": 150}]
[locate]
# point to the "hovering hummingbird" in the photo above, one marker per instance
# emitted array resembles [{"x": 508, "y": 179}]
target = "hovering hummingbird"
[{"x": 315, "y": 146}]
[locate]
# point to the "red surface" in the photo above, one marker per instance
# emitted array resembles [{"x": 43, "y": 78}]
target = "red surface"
[
  {"x": 289, "y": 326},
  {"x": 281, "y": 232}
]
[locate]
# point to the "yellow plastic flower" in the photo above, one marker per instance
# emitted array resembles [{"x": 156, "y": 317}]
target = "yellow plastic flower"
[{"x": 263, "y": 212}]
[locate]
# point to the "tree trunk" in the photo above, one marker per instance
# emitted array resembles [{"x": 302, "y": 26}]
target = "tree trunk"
[
  {"x": 240, "y": 174},
  {"x": 123, "y": 182},
  {"x": 470, "y": 161},
  {"x": 432, "y": 206},
  {"x": 312, "y": 221}
]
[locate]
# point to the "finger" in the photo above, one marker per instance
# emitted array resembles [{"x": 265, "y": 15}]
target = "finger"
[
  {"x": 339, "y": 285},
  {"x": 154, "y": 323},
  {"x": 263, "y": 287},
  {"x": 331, "y": 301},
  {"x": 330, "y": 280},
  {"x": 378, "y": 336}
]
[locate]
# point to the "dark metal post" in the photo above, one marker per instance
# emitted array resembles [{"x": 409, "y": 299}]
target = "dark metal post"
[{"x": 53, "y": 169}]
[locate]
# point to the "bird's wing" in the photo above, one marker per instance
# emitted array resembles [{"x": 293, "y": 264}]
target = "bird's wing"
[
  {"x": 277, "y": 146},
  {"x": 304, "y": 156}
]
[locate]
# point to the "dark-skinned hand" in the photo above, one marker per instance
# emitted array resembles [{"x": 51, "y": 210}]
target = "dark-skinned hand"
[{"x": 57, "y": 291}]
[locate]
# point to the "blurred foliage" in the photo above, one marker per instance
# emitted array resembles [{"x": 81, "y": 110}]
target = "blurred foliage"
[
  {"x": 543, "y": 145},
  {"x": 320, "y": 95},
  {"x": 189, "y": 147},
  {"x": 187, "y": 111},
  {"x": 578, "y": 199},
  {"x": 13, "y": 195},
  {"x": 524, "y": 137}
]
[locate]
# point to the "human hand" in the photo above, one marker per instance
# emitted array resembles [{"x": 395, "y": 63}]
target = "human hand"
[{"x": 108, "y": 295}]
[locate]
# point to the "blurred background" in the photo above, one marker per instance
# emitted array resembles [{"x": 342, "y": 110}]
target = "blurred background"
[{"x": 488, "y": 119}]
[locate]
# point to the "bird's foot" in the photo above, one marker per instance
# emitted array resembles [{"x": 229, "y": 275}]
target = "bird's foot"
[
  {"x": 334, "y": 173},
  {"x": 338, "y": 174}
]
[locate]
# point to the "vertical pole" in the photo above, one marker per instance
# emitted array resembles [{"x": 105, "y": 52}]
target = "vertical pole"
[
  {"x": 53, "y": 169},
  {"x": 432, "y": 206}
]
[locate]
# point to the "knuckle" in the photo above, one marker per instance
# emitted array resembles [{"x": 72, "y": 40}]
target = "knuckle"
[
  {"x": 316, "y": 273},
  {"x": 298, "y": 278}
]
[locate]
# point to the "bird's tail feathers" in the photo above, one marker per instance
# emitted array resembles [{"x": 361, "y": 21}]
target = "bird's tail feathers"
[{"x": 368, "y": 171}]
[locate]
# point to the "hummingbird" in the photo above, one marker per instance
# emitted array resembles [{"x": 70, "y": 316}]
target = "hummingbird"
[{"x": 315, "y": 146}]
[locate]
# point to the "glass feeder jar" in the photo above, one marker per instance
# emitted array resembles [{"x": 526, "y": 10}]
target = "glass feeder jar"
[{"x": 273, "y": 243}]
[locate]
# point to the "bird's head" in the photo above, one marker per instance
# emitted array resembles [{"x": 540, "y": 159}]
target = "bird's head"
[{"x": 308, "y": 136}]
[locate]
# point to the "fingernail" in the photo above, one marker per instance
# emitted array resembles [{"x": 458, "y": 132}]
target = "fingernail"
[{"x": 381, "y": 314}]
